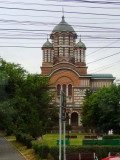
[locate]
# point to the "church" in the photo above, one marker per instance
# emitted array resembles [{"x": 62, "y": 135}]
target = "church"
[{"x": 64, "y": 61}]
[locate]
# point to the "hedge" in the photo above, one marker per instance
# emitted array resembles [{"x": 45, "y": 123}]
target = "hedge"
[
  {"x": 113, "y": 136},
  {"x": 101, "y": 151},
  {"x": 41, "y": 149},
  {"x": 25, "y": 139}
]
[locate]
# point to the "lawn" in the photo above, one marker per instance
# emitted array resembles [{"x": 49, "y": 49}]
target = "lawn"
[
  {"x": 28, "y": 153},
  {"x": 51, "y": 139}
]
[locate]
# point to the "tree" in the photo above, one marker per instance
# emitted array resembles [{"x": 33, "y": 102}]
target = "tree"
[
  {"x": 68, "y": 128},
  {"x": 101, "y": 109},
  {"x": 28, "y": 101}
]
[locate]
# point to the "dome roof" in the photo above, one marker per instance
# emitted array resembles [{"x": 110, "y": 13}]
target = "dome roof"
[
  {"x": 47, "y": 44},
  {"x": 63, "y": 26},
  {"x": 80, "y": 45}
]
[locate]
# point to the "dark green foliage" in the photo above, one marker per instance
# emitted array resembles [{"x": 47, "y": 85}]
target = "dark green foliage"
[
  {"x": 26, "y": 107},
  {"x": 25, "y": 139},
  {"x": 114, "y": 136},
  {"x": 101, "y": 151},
  {"x": 54, "y": 151},
  {"x": 101, "y": 110},
  {"x": 41, "y": 149}
]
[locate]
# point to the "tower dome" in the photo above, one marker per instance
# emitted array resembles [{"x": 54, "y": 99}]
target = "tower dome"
[
  {"x": 47, "y": 44},
  {"x": 63, "y": 26},
  {"x": 80, "y": 44}
]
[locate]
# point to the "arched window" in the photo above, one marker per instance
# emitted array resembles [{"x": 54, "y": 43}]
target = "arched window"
[
  {"x": 58, "y": 51},
  {"x": 63, "y": 52},
  {"x": 69, "y": 90},
  {"x": 58, "y": 40},
  {"x": 69, "y": 52},
  {"x": 69, "y": 39},
  {"x": 63, "y": 39},
  {"x": 80, "y": 56},
  {"x": 58, "y": 89},
  {"x": 47, "y": 55},
  {"x": 64, "y": 88}
]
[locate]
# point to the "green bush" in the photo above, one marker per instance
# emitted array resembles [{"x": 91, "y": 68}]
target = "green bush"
[
  {"x": 41, "y": 149},
  {"x": 35, "y": 147},
  {"x": 54, "y": 151},
  {"x": 101, "y": 151},
  {"x": 113, "y": 136},
  {"x": 25, "y": 139}
]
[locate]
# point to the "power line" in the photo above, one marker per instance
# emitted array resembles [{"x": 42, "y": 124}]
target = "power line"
[
  {"x": 68, "y": 17},
  {"x": 101, "y": 48},
  {"x": 104, "y": 57},
  {"x": 78, "y": 25},
  {"x": 55, "y": 11},
  {"x": 10, "y": 46},
  {"x": 39, "y": 4},
  {"x": 85, "y": 1},
  {"x": 104, "y": 67}
]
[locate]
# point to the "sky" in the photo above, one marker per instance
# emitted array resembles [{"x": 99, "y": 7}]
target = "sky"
[{"x": 25, "y": 26}]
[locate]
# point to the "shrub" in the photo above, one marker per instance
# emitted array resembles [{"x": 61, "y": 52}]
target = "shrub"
[
  {"x": 54, "y": 151},
  {"x": 113, "y": 136},
  {"x": 25, "y": 139},
  {"x": 35, "y": 147},
  {"x": 101, "y": 151},
  {"x": 41, "y": 149}
]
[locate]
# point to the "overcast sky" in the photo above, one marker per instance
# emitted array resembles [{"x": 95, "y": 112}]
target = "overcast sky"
[{"x": 24, "y": 26}]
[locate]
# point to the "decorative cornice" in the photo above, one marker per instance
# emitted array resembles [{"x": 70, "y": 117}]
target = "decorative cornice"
[
  {"x": 64, "y": 63},
  {"x": 107, "y": 78},
  {"x": 67, "y": 68},
  {"x": 73, "y": 107},
  {"x": 70, "y": 64},
  {"x": 80, "y": 87}
]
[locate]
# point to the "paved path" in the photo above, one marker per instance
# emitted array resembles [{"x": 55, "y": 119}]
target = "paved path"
[{"x": 7, "y": 152}]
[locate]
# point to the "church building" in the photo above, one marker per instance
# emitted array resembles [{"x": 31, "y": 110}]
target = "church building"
[{"x": 64, "y": 61}]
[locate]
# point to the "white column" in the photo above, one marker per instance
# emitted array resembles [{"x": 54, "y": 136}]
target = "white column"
[
  {"x": 79, "y": 120},
  {"x": 69, "y": 119},
  {"x": 66, "y": 90},
  {"x": 75, "y": 55},
  {"x": 82, "y": 59},
  {"x": 78, "y": 55}
]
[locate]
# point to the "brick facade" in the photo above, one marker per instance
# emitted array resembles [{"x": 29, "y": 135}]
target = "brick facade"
[{"x": 64, "y": 61}]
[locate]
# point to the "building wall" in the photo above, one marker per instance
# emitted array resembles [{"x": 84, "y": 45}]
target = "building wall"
[{"x": 99, "y": 83}]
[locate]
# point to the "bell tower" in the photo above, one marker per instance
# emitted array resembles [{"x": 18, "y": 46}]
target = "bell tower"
[
  {"x": 63, "y": 39},
  {"x": 80, "y": 55}
]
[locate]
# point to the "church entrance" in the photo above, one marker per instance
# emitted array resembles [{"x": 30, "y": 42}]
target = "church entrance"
[{"x": 74, "y": 119}]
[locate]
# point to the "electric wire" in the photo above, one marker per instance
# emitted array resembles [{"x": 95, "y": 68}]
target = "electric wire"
[
  {"x": 56, "y": 11},
  {"x": 104, "y": 58},
  {"x": 56, "y": 5},
  {"x": 88, "y": 37}
]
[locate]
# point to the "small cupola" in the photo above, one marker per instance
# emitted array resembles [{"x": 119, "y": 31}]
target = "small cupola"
[
  {"x": 80, "y": 53},
  {"x": 47, "y": 44},
  {"x": 47, "y": 52},
  {"x": 80, "y": 44}
]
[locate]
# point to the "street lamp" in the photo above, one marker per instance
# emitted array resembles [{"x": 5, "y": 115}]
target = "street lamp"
[
  {"x": 0, "y": 76},
  {"x": 0, "y": 62},
  {"x": 3, "y": 80}
]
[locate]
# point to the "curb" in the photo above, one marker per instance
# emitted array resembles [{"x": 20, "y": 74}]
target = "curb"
[{"x": 15, "y": 148}]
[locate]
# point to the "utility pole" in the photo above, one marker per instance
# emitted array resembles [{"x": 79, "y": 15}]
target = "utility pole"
[
  {"x": 64, "y": 124},
  {"x": 60, "y": 125},
  {"x": 62, "y": 121}
]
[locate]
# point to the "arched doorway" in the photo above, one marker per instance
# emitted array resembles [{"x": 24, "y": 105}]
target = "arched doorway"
[{"x": 74, "y": 119}]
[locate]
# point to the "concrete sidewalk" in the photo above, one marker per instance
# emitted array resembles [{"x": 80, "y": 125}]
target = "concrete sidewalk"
[{"x": 7, "y": 152}]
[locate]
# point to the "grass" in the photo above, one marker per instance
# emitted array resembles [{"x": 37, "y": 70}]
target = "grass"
[
  {"x": 28, "y": 153},
  {"x": 51, "y": 139},
  {"x": 12, "y": 137}
]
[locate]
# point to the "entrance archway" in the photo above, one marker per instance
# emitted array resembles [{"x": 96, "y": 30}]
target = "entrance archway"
[{"x": 74, "y": 119}]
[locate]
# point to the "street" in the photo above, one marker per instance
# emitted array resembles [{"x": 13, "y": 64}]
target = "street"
[{"x": 7, "y": 152}]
